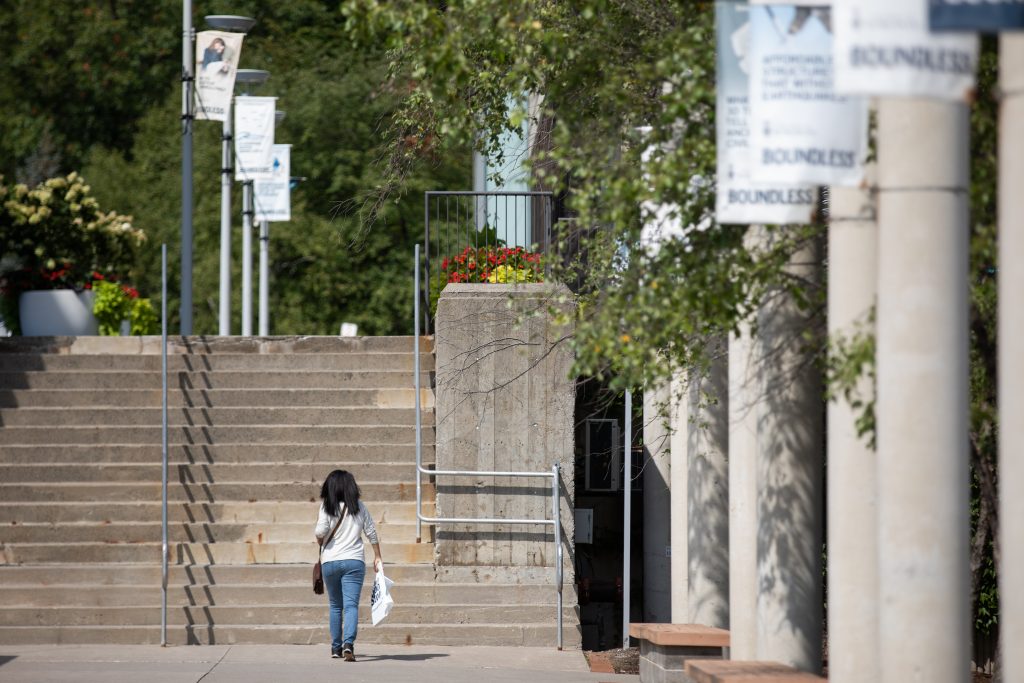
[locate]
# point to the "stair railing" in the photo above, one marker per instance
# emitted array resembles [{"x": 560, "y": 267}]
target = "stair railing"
[{"x": 554, "y": 474}]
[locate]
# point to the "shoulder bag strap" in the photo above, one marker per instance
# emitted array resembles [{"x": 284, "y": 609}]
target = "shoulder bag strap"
[{"x": 331, "y": 535}]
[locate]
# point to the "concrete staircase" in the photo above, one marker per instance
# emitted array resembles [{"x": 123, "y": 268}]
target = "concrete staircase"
[{"x": 255, "y": 426}]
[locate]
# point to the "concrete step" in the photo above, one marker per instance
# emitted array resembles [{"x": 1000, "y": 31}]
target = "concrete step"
[
  {"x": 265, "y": 595},
  {"x": 257, "y": 614},
  {"x": 309, "y": 434},
  {"x": 206, "y": 473},
  {"x": 105, "y": 380},
  {"x": 214, "y": 362},
  {"x": 208, "y": 417},
  {"x": 186, "y": 532},
  {"x": 203, "y": 493},
  {"x": 339, "y": 453},
  {"x": 220, "y": 398},
  {"x": 149, "y": 575},
  {"x": 265, "y": 512},
  {"x": 198, "y": 553},
  {"x": 387, "y": 633},
  {"x": 198, "y": 345}
]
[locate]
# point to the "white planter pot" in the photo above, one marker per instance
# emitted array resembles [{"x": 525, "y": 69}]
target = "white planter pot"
[{"x": 58, "y": 312}]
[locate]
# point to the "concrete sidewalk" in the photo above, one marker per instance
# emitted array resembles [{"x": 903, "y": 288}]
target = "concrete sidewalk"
[{"x": 285, "y": 663}]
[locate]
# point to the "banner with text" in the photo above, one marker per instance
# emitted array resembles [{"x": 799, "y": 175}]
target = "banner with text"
[
  {"x": 800, "y": 130},
  {"x": 976, "y": 15},
  {"x": 739, "y": 200},
  {"x": 272, "y": 196},
  {"x": 254, "y": 137},
  {"x": 885, "y": 48},
  {"x": 217, "y": 56}
]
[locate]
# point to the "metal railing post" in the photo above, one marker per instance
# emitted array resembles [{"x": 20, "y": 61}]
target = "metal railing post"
[
  {"x": 627, "y": 513},
  {"x": 416, "y": 384},
  {"x": 163, "y": 447},
  {"x": 556, "y": 515}
]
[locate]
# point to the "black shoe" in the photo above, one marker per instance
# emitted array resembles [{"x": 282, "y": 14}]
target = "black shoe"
[
  {"x": 335, "y": 654},
  {"x": 348, "y": 652}
]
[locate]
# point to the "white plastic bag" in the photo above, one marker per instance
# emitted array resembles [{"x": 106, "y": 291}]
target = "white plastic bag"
[{"x": 381, "y": 601}]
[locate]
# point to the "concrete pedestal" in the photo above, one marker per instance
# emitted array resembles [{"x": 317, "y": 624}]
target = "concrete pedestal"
[{"x": 922, "y": 408}]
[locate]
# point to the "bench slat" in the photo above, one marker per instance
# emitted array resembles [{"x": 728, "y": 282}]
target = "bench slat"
[
  {"x": 683, "y": 635},
  {"x": 726, "y": 671}
]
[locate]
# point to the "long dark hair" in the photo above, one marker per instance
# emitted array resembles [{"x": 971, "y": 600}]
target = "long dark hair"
[{"x": 340, "y": 487}]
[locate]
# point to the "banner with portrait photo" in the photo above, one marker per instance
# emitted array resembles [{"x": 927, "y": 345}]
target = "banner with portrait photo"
[
  {"x": 217, "y": 54},
  {"x": 272, "y": 196},
  {"x": 885, "y": 48},
  {"x": 738, "y": 198},
  {"x": 254, "y": 137},
  {"x": 990, "y": 16},
  {"x": 801, "y": 131}
]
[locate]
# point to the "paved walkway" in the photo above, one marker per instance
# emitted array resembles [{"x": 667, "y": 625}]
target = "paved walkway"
[{"x": 286, "y": 663}]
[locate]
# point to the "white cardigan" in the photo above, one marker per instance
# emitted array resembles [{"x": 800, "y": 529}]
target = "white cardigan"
[{"x": 347, "y": 542}]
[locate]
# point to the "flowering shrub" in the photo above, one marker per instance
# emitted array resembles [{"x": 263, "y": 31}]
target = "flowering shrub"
[
  {"x": 55, "y": 236},
  {"x": 493, "y": 264},
  {"x": 114, "y": 303}
]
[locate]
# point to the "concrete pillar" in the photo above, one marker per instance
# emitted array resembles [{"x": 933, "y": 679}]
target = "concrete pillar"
[
  {"x": 852, "y": 479},
  {"x": 657, "y": 508},
  {"x": 922, "y": 405},
  {"x": 744, "y": 395},
  {"x": 679, "y": 474},
  {"x": 789, "y": 479},
  {"x": 1011, "y": 353},
  {"x": 709, "y": 493}
]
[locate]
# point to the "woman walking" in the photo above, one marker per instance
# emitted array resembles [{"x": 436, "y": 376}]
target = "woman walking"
[{"x": 339, "y": 528}]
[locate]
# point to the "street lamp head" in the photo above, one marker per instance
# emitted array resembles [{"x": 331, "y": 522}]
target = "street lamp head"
[
  {"x": 230, "y": 22},
  {"x": 251, "y": 76}
]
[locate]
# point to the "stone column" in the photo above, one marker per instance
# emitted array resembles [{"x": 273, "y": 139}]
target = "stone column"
[
  {"x": 657, "y": 575},
  {"x": 1011, "y": 354},
  {"x": 708, "y": 551},
  {"x": 789, "y": 480},
  {"x": 678, "y": 473},
  {"x": 922, "y": 391},
  {"x": 744, "y": 394},
  {"x": 852, "y": 480}
]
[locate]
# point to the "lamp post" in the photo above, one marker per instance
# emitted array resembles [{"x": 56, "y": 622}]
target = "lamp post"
[
  {"x": 248, "y": 78},
  {"x": 226, "y": 22},
  {"x": 264, "y": 314},
  {"x": 187, "y": 74}
]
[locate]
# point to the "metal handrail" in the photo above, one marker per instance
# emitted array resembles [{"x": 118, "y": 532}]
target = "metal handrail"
[{"x": 554, "y": 474}]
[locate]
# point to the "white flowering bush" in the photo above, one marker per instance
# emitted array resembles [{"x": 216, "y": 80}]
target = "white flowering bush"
[{"x": 55, "y": 236}]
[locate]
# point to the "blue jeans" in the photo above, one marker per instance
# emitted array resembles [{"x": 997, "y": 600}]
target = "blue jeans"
[{"x": 343, "y": 580}]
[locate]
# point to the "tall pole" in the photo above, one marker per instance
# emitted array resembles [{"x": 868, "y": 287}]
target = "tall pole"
[
  {"x": 744, "y": 396},
  {"x": 264, "y": 317},
  {"x": 922, "y": 404},
  {"x": 790, "y": 460},
  {"x": 164, "y": 549},
  {"x": 247, "y": 211},
  {"x": 627, "y": 512},
  {"x": 1011, "y": 354},
  {"x": 187, "y": 76},
  {"x": 226, "y": 165},
  {"x": 852, "y": 480}
]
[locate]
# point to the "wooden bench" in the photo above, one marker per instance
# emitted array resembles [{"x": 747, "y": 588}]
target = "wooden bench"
[
  {"x": 665, "y": 649},
  {"x": 727, "y": 671}
]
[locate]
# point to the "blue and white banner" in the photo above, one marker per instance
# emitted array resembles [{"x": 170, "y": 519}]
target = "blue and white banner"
[
  {"x": 884, "y": 48},
  {"x": 976, "y": 15},
  {"x": 801, "y": 131},
  {"x": 272, "y": 196},
  {"x": 217, "y": 54},
  {"x": 254, "y": 137},
  {"x": 739, "y": 199}
]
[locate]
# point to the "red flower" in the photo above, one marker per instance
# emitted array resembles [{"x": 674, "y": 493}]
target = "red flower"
[{"x": 96, "y": 275}]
